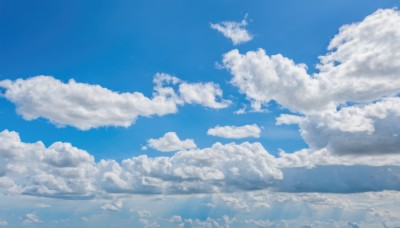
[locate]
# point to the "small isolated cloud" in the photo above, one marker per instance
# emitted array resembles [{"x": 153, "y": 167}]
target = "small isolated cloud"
[
  {"x": 205, "y": 94},
  {"x": 235, "y": 132},
  {"x": 170, "y": 142},
  {"x": 30, "y": 219},
  {"x": 236, "y": 31},
  {"x": 113, "y": 206}
]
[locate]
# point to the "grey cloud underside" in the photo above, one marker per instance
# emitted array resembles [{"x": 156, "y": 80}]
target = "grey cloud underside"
[
  {"x": 64, "y": 171},
  {"x": 359, "y": 129},
  {"x": 87, "y": 106},
  {"x": 351, "y": 106}
]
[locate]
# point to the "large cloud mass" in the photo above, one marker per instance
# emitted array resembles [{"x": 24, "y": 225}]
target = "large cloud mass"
[
  {"x": 86, "y": 106},
  {"x": 363, "y": 65},
  {"x": 66, "y": 171},
  {"x": 62, "y": 170}
]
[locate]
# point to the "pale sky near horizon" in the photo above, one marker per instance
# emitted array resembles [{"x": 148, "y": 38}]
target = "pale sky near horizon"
[{"x": 200, "y": 113}]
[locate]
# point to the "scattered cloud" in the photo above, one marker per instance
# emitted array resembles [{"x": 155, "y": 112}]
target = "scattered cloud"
[
  {"x": 113, "y": 206},
  {"x": 81, "y": 105},
  {"x": 235, "y": 132},
  {"x": 236, "y": 31},
  {"x": 170, "y": 142},
  {"x": 205, "y": 94},
  {"x": 30, "y": 219}
]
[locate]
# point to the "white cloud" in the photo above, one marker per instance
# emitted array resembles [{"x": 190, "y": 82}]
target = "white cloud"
[
  {"x": 236, "y": 31},
  {"x": 235, "y": 132},
  {"x": 288, "y": 119},
  {"x": 81, "y": 105},
  {"x": 170, "y": 142},
  {"x": 60, "y": 169},
  {"x": 31, "y": 218},
  {"x": 64, "y": 171},
  {"x": 362, "y": 66},
  {"x": 113, "y": 206},
  {"x": 87, "y": 106},
  {"x": 359, "y": 129},
  {"x": 3, "y": 222},
  {"x": 205, "y": 94},
  {"x": 219, "y": 168}
]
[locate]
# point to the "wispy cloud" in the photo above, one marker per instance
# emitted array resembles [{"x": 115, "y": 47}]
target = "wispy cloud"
[
  {"x": 235, "y": 132},
  {"x": 236, "y": 31}
]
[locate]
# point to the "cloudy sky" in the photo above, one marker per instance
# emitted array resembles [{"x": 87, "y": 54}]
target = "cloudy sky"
[{"x": 200, "y": 113}]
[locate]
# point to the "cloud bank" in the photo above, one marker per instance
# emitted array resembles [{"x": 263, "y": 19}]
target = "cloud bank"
[{"x": 64, "y": 171}]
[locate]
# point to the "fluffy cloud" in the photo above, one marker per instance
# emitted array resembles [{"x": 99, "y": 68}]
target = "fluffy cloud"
[
  {"x": 86, "y": 106},
  {"x": 205, "y": 94},
  {"x": 235, "y": 132},
  {"x": 170, "y": 142},
  {"x": 62, "y": 170},
  {"x": 360, "y": 129},
  {"x": 33, "y": 169},
  {"x": 362, "y": 66},
  {"x": 219, "y": 168},
  {"x": 30, "y": 219},
  {"x": 81, "y": 105},
  {"x": 235, "y": 31}
]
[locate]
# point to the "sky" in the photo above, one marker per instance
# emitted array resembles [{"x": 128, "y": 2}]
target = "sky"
[{"x": 199, "y": 113}]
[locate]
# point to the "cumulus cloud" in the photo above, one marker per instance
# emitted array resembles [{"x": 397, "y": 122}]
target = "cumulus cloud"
[
  {"x": 113, "y": 206},
  {"x": 34, "y": 169},
  {"x": 170, "y": 142},
  {"x": 205, "y": 94},
  {"x": 235, "y": 132},
  {"x": 30, "y": 219},
  {"x": 236, "y": 31},
  {"x": 62, "y": 170},
  {"x": 359, "y": 129},
  {"x": 362, "y": 65},
  {"x": 86, "y": 106},
  {"x": 81, "y": 105}
]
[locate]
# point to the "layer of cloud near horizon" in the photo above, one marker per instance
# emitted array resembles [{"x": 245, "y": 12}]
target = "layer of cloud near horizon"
[{"x": 62, "y": 170}]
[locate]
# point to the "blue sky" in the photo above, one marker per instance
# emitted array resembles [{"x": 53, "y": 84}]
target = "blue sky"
[{"x": 317, "y": 83}]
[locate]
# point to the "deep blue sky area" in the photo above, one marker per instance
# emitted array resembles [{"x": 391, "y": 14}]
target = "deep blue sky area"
[{"x": 120, "y": 45}]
